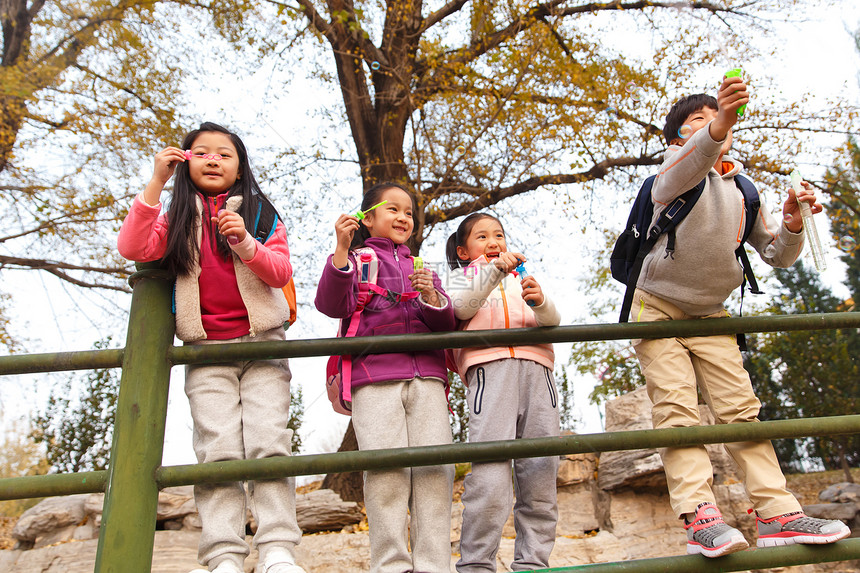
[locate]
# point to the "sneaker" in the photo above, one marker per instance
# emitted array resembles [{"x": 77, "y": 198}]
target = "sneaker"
[
  {"x": 279, "y": 560},
  {"x": 797, "y": 527},
  {"x": 709, "y": 535}
]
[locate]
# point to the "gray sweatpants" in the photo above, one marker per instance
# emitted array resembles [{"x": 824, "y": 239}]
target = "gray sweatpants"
[
  {"x": 240, "y": 411},
  {"x": 511, "y": 398},
  {"x": 398, "y": 414}
]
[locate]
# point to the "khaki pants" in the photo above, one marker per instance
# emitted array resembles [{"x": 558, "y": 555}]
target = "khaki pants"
[{"x": 672, "y": 368}]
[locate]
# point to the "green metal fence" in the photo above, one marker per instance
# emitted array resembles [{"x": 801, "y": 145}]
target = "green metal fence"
[{"x": 135, "y": 474}]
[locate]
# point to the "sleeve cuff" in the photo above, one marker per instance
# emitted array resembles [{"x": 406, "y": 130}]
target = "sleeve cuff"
[{"x": 246, "y": 248}]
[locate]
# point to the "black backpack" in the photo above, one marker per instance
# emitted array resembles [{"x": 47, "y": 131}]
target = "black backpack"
[{"x": 637, "y": 240}]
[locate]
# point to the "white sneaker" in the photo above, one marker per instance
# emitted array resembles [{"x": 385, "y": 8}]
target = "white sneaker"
[{"x": 279, "y": 560}]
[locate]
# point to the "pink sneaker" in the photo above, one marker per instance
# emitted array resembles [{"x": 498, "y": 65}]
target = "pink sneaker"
[
  {"x": 709, "y": 535},
  {"x": 797, "y": 527}
]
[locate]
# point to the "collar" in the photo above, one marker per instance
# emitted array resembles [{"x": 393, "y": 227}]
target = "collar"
[{"x": 386, "y": 244}]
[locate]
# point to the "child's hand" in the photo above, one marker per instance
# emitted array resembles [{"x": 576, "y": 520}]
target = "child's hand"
[
  {"x": 532, "y": 291},
  {"x": 166, "y": 161},
  {"x": 508, "y": 261},
  {"x": 422, "y": 281},
  {"x": 791, "y": 208},
  {"x": 732, "y": 95},
  {"x": 344, "y": 229},
  {"x": 230, "y": 224}
]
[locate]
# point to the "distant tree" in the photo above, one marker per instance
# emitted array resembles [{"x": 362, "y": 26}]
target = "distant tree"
[
  {"x": 76, "y": 427},
  {"x": 20, "y": 456},
  {"x": 458, "y": 408},
  {"x": 796, "y": 374},
  {"x": 567, "y": 417},
  {"x": 297, "y": 415}
]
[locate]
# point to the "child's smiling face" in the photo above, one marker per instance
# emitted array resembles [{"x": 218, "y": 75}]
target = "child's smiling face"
[
  {"x": 213, "y": 177},
  {"x": 486, "y": 238},
  {"x": 393, "y": 220},
  {"x": 697, "y": 120}
]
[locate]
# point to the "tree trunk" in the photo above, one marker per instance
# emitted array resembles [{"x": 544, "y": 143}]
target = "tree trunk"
[
  {"x": 843, "y": 459},
  {"x": 350, "y": 486}
]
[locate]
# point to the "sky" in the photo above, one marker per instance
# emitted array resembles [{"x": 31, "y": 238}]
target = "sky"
[{"x": 817, "y": 57}]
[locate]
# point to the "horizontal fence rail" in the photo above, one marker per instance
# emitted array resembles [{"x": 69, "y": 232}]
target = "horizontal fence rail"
[
  {"x": 275, "y": 467},
  {"x": 764, "y": 558},
  {"x": 214, "y": 353}
]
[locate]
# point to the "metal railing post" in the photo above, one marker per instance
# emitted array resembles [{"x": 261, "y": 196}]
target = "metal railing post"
[{"x": 127, "y": 533}]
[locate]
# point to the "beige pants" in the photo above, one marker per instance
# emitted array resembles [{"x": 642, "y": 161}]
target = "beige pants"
[
  {"x": 672, "y": 368},
  {"x": 406, "y": 507},
  {"x": 240, "y": 412}
]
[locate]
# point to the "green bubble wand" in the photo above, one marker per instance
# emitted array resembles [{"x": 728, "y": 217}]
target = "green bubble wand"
[{"x": 362, "y": 214}]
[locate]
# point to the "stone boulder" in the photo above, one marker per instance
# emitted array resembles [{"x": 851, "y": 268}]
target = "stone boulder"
[
  {"x": 643, "y": 469},
  {"x": 52, "y": 520},
  {"x": 78, "y": 517},
  {"x": 843, "y": 492}
]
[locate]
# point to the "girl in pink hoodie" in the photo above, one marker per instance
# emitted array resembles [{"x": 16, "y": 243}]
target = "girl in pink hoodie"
[
  {"x": 511, "y": 394},
  {"x": 228, "y": 289}
]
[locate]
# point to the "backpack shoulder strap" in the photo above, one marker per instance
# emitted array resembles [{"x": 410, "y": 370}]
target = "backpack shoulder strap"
[
  {"x": 368, "y": 272},
  {"x": 266, "y": 222},
  {"x": 669, "y": 218},
  {"x": 752, "y": 203}
]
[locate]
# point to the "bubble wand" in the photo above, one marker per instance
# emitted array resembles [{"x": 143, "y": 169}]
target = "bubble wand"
[
  {"x": 362, "y": 214},
  {"x": 809, "y": 224},
  {"x": 737, "y": 73},
  {"x": 523, "y": 273}
]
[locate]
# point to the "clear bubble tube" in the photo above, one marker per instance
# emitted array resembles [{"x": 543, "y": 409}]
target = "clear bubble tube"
[{"x": 809, "y": 225}]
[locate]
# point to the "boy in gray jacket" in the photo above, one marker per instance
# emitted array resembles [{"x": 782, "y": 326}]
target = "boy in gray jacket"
[{"x": 694, "y": 281}]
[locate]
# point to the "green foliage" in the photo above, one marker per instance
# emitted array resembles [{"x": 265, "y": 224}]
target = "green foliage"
[
  {"x": 76, "y": 427},
  {"x": 297, "y": 414},
  {"x": 458, "y": 408},
  {"x": 803, "y": 374},
  {"x": 613, "y": 364},
  {"x": 20, "y": 456},
  {"x": 567, "y": 419}
]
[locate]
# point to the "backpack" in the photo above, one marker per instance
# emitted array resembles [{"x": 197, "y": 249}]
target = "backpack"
[
  {"x": 634, "y": 244},
  {"x": 264, "y": 227},
  {"x": 339, "y": 368}
]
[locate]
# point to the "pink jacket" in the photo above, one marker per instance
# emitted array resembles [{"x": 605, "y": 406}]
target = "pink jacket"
[
  {"x": 486, "y": 298},
  {"x": 143, "y": 237}
]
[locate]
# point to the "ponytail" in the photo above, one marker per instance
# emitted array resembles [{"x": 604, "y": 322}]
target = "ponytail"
[{"x": 458, "y": 238}]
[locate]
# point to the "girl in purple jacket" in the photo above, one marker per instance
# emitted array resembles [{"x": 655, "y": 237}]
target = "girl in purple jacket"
[{"x": 398, "y": 399}]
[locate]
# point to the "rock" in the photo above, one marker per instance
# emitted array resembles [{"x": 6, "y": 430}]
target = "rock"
[
  {"x": 175, "y": 503},
  {"x": 643, "y": 469},
  {"x": 577, "y": 512},
  {"x": 843, "y": 492},
  {"x": 638, "y": 469},
  {"x": 49, "y": 515},
  {"x": 192, "y": 521},
  {"x": 847, "y": 512},
  {"x": 323, "y": 510},
  {"x": 456, "y": 523},
  {"x": 646, "y": 524},
  {"x": 576, "y": 468}
]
